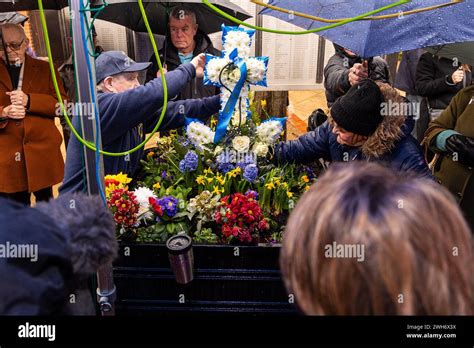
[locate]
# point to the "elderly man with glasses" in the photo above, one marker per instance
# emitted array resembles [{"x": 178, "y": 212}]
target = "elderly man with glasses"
[{"x": 31, "y": 160}]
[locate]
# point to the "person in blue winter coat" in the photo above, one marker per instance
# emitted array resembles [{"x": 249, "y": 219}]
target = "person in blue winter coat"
[
  {"x": 369, "y": 123},
  {"x": 129, "y": 110}
]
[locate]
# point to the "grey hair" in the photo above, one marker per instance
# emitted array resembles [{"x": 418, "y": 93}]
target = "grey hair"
[
  {"x": 180, "y": 11},
  {"x": 17, "y": 27}
]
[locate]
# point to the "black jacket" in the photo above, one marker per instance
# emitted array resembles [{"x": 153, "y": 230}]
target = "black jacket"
[
  {"x": 336, "y": 73},
  {"x": 433, "y": 80},
  {"x": 195, "y": 89}
]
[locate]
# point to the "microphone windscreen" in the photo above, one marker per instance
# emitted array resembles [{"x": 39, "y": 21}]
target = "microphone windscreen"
[{"x": 89, "y": 226}]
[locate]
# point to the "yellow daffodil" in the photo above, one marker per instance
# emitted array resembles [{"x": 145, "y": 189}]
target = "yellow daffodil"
[
  {"x": 263, "y": 103},
  {"x": 270, "y": 186},
  {"x": 307, "y": 187},
  {"x": 208, "y": 171},
  {"x": 277, "y": 182},
  {"x": 157, "y": 186},
  {"x": 220, "y": 179},
  {"x": 213, "y": 122},
  {"x": 305, "y": 178},
  {"x": 150, "y": 154},
  {"x": 284, "y": 185},
  {"x": 201, "y": 180},
  {"x": 238, "y": 170},
  {"x": 209, "y": 180},
  {"x": 289, "y": 194},
  {"x": 217, "y": 191}
]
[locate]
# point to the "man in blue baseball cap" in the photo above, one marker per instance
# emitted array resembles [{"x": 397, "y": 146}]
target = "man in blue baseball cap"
[{"x": 128, "y": 111}]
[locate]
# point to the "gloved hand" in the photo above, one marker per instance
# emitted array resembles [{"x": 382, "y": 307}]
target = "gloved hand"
[{"x": 463, "y": 147}]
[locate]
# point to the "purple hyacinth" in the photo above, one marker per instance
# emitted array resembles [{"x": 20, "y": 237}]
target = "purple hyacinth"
[{"x": 250, "y": 173}]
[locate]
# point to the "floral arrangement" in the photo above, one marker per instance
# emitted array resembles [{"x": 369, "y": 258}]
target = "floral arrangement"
[
  {"x": 224, "y": 72},
  {"x": 219, "y": 187}
]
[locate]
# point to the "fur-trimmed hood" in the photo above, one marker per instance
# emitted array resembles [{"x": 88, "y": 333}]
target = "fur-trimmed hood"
[{"x": 388, "y": 133}]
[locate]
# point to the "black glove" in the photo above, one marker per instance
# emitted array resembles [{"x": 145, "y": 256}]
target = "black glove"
[{"x": 463, "y": 147}]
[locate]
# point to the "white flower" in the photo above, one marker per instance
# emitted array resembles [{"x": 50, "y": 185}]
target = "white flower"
[
  {"x": 142, "y": 195},
  {"x": 218, "y": 150},
  {"x": 240, "y": 40},
  {"x": 214, "y": 68},
  {"x": 255, "y": 70},
  {"x": 241, "y": 143},
  {"x": 199, "y": 134},
  {"x": 268, "y": 132},
  {"x": 260, "y": 149},
  {"x": 235, "y": 38}
]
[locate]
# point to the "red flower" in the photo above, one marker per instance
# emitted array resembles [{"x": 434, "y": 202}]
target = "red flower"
[
  {"x": 263, "y": 225},
  {"x": 155, "y": 206},
  {"x": 124, "y": 205},
  {"x": 240, "y": 217}
]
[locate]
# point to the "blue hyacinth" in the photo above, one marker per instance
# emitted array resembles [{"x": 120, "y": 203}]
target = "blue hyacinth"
[
  {"x": 223, "y": 163},
  {"x": 189, "y": 163},
  {"x": 247, "y": 160},
  {"x": 225, "y": 167},
  {"x": 250, "y": 173}
]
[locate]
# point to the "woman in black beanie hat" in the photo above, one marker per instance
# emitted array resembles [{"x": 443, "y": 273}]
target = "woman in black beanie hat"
[{"x": 368, "y": 123}]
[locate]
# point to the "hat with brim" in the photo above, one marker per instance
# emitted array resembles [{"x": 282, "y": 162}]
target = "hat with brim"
[{"x": 112, "y": 63}]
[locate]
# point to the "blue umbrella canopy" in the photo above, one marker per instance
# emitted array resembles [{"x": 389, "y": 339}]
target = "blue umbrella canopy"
[{"x": 402, "y": 32}]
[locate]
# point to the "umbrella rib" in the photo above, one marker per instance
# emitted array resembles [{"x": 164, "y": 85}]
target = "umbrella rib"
[{"x": 325, "y": 20}]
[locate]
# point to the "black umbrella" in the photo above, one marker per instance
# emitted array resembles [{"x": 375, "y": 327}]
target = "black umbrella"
[
  {"x": 12, "y": 17},
  {"x": 462, "y": 52},
  {"x": 30, "y": 5},
  {"x": 127, "y": 13}
]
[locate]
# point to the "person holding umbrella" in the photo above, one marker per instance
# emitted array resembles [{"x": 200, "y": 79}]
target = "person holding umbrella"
[
  {"x": 439, "y": 79},
  {"x": 184, "y": 42},
  {"x": 345, "y": 69}
]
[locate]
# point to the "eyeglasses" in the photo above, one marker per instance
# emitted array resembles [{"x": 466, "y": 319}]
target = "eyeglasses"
[{"x": 13, "y": 45}]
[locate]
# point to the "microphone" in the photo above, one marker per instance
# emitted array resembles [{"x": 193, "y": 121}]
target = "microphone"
[{"x": 89, "y": 227}]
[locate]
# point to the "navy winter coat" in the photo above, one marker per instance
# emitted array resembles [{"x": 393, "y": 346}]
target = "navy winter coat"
[
  {"x": 406, "y": 155},
  {"x": 126, "y": 117}
]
